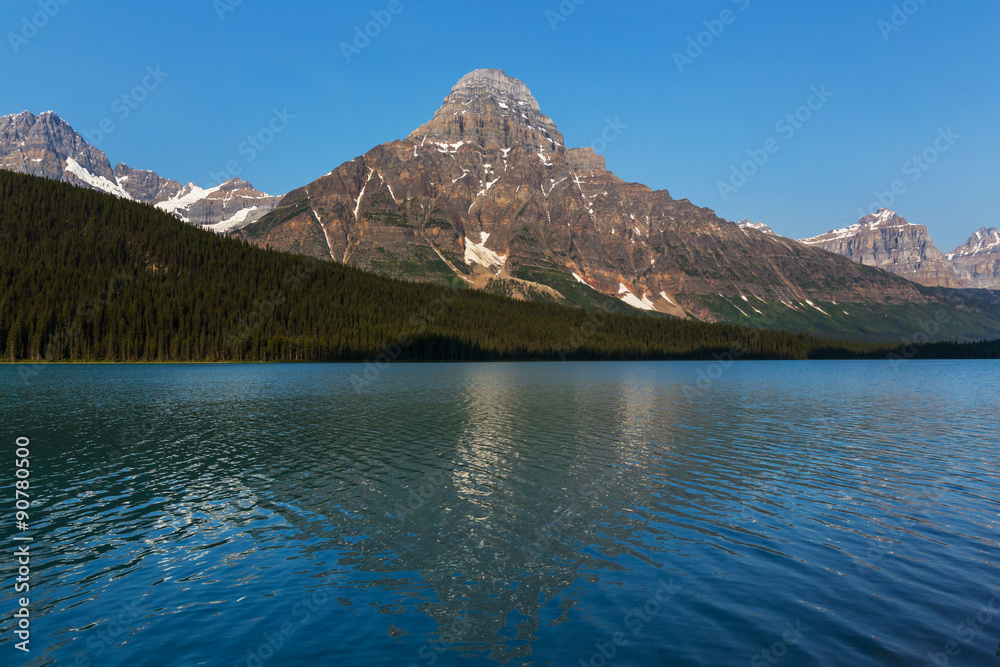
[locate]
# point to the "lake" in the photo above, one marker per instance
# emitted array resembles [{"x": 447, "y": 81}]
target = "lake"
[{"x": 811, "y": 513}]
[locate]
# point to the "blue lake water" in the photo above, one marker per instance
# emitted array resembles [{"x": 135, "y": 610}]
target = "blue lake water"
[{"x": 841, "y": 513}]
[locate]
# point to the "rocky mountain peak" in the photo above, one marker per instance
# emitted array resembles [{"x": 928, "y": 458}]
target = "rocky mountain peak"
[
  {"x": 979, "y": 259},
  {"x": 758, "y": 226},
  {"x": 986, "y": 241},
  {"x": 888, "y": 241},
  {"x": 43, "y": 145},
  {"x": 493, "y": 111},
  {"x": 496, "y": 84},
  {"x": 883, "y": 218}
]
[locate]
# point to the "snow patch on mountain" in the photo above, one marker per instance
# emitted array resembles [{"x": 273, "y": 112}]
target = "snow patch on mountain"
[
  {"x": 96, "y": 182},
  {"x": 626, "y": 295},
  {"x": 669, "y": 300},
  {"x": 584, "y": 282},
  {"x": 478, "y": 253},
  {"x": 235, "y": 222},
  {"x": 813, "y": 305},
  {"x": 189, "y": 195},
  {"x": 758, "y": 226},
  {"x": 835, "y": 235}
]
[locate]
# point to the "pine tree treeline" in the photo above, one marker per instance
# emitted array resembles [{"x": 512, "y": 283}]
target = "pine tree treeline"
[{"x": 85, "y": 276}]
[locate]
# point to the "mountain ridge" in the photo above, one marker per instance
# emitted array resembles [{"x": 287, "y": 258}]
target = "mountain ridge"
[
  {"x": 48, "y": 146},
  {"x": 888, "y": 241}
]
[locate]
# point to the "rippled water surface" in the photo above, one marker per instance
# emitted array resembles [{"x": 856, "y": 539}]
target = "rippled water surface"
[{"x": 635, "y": 514}]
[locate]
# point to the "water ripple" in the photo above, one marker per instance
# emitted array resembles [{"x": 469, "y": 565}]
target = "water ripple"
[{"x": 516, "y": 513}]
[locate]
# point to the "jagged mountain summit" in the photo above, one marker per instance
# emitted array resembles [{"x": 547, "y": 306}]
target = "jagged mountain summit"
[
  {"x": 48, "y": 146},
  {"x": 491, "y": 94},
  {"x": 979, "y": 259},
  {"x": 488, "y": 191},
  {"x": 888, "y": 241},
  {"x": 984, "y": 242},
  {"x": 756, "y": 226}
]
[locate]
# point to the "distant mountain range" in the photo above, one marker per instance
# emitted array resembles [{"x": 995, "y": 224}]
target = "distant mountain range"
[
  {"x": 487, "y": 192},
  {"x": 888, "y": 241},
  {"x": 47, "y": 146}
]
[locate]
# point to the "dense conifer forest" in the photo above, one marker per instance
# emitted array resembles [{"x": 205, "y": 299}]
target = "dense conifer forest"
[{"x": 85, "y": 276}]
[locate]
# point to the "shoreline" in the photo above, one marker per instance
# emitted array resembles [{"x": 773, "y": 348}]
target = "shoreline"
[{"x": 16, "y": 364}]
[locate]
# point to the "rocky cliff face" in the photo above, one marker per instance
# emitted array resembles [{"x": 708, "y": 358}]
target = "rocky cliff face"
[
  {"x": 488, "y": 191},
  {"x": 889, "y": 242},
  {"x": 145, "y": 186},
  {"x": 979, "y": 259},
  {"x": 48, "y": 146}
]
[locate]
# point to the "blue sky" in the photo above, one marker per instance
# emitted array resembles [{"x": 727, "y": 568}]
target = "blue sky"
[{"x": 228, "y": 64}]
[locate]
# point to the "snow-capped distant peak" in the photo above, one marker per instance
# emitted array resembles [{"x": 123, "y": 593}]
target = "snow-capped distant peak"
[
  {"x": 759, "y": 226},
  {"x": 984, "y": 242},
  {"x": 884, "y": 218}
]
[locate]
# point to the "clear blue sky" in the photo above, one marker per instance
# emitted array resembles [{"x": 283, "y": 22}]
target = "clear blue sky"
[{"x": 686, "y": 130}]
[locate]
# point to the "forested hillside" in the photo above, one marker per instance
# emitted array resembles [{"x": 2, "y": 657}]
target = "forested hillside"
[{"x": 89, "y": 277}]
